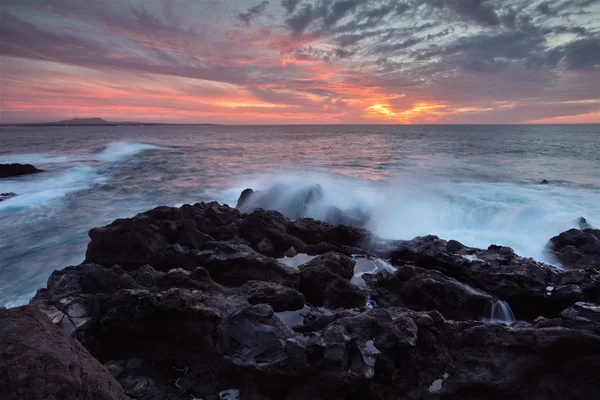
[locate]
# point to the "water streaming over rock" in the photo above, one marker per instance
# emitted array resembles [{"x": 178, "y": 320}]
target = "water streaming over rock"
[{"x": 500, "y": 312}]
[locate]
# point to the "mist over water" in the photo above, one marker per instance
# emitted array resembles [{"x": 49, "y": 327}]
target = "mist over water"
[{"x": 476, "y": 184}]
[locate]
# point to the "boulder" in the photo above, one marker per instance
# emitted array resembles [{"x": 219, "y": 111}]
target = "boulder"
[
  {"x": 244, "y": 197},
  {"x": 38, "y": 361},
  {"x": 325, "y": 281},
  {"x": 280, "y": 298},
  {"x": 577, "y": 248},
  {"x": 8, "y": 170}
]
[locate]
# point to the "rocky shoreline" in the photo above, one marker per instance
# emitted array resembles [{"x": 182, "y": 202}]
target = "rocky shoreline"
[{"x": 207, "y": 302}]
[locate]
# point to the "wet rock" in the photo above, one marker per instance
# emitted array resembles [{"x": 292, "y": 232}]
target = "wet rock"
[
  {"x": 8, "y": 170},
  {"x": 583, "y": 312},
  {"x": 244, "y": 197},
  {"x": 253, "y": 337},
  {"x": 280, "y": 298},
  {"x": 143, "y": 382},
  {"x": 325, "y": 280},
  {"x": 38, "y": 361},
  {"x": 544, "y": 182},
  {"x": 272, "y": 226},
  {"x": 234, "y": 264},
  {"x": 291, "y": 201},
  {"x": 522, "y": 282},
  {"x": 423, "y": 289},
  {"x": 6, "y": 196},
  {"x": 577, "y": 248},
  {"x": 190, "y": 311},
  {"x": 583, "y": 224}
]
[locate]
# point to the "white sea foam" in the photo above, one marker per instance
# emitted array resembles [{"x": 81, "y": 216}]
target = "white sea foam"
[
  {"x": 42, "y": 189},
  {"x": 121, "y": 151},
  {"x": 521, "y": 216},
  {"x": 113, "y": 152}
]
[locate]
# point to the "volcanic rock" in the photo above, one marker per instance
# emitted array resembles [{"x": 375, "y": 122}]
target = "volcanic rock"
[
  {"x": 8, "y": 170},
  {"x": 38, "y": 361}
]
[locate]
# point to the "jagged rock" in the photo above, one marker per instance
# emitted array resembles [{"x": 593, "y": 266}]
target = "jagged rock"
[
  {"x": 531, "y": 288},
  {"x": 244, "y": 197},
  {"x": 279, "y": 297},
  {"x": 289, "y": 200},
  {"x": 6, "y": 196},
  {"x": 38, "y": 361},
  {"x": 577, "y": 248},
  {"x": 583, "y": 224},
  {"x": 423, "y": 289},
  {"x": 325, "y": 281},
  {"x": 8, "y": 170},
  {"x": 253, "y": 337},
  {"x": 142, "y": 382},
  {"x": 234, "y": 264},
  {"x": 199, "y": 319},
  {"x": 263, "y": 225}
]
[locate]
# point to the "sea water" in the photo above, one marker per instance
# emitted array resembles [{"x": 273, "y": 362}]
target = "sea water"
[{"x": 476, "y": 184}]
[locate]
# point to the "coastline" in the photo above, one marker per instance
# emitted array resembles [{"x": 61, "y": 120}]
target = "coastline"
[{"x": 202, "y": 300}]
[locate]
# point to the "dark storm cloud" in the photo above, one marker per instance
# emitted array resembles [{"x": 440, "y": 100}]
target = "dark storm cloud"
[
  {"x": 479, "y": 11},
  {"x": 253, "y": 12},
  {"x": 289, "y": 5},
  {"x": 582, "y": 54}
]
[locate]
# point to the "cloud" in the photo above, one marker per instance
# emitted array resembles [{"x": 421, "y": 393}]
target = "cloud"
[
  {"x": 450, "y": 60},
  {"x": 479, "y": 11},
  {"x": 582, "y": 54},
  {"x": 253, "y": 12}
]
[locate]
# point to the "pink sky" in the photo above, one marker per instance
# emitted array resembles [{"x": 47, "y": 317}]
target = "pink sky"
[{"x": 300, "y": 61}]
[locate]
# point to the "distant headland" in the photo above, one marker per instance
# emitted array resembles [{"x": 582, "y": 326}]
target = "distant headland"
[{"x": 95, "y": 121}]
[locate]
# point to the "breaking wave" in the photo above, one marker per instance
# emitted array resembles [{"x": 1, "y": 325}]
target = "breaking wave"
[
  {"x": 122, "y": 151},
  {"x": 64, "y": 174},
  {"x": 478, "y": 214}
]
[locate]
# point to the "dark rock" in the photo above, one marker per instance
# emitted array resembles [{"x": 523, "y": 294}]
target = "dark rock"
[
  {"x": 6, "y": 196},
  {"x": 291, "y": 201},
  {"x": 544, "y": 182},
  {"x": 272, "y": 226},
  {"x": 234, "y": 264},
  {"x": 577, "y": 249},
  {"x": 244, "y": 197},
  {"x": 143, "y": 382},
  {"x": 38, "y": 361},
  {"x": 253, "y": 337},
  {"x": 325, "y": 281},
  {"x": 299, "y": 202},
  {"x": 291, "y": 252},
  {"x": 423, "y": 289},
  {"x": 583, "y": 224},
  {"x": 522, "y": 282},
  {"x": 199, "y": 319},
  {"x": 279, "y": 297},
  {"x": 8, "y": 170}
]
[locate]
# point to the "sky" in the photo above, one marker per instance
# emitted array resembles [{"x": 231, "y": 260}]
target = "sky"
[{"x": 301, "y": 61}]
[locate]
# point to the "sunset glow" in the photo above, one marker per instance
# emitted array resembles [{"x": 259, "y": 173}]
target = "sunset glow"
[{"x": 297, "y": 62}]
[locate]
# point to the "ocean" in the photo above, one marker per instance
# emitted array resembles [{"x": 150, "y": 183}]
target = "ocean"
[{"x": 476, "y": 184}]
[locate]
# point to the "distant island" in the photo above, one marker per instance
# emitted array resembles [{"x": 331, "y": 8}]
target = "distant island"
[{"x": 92, "y": 122}]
